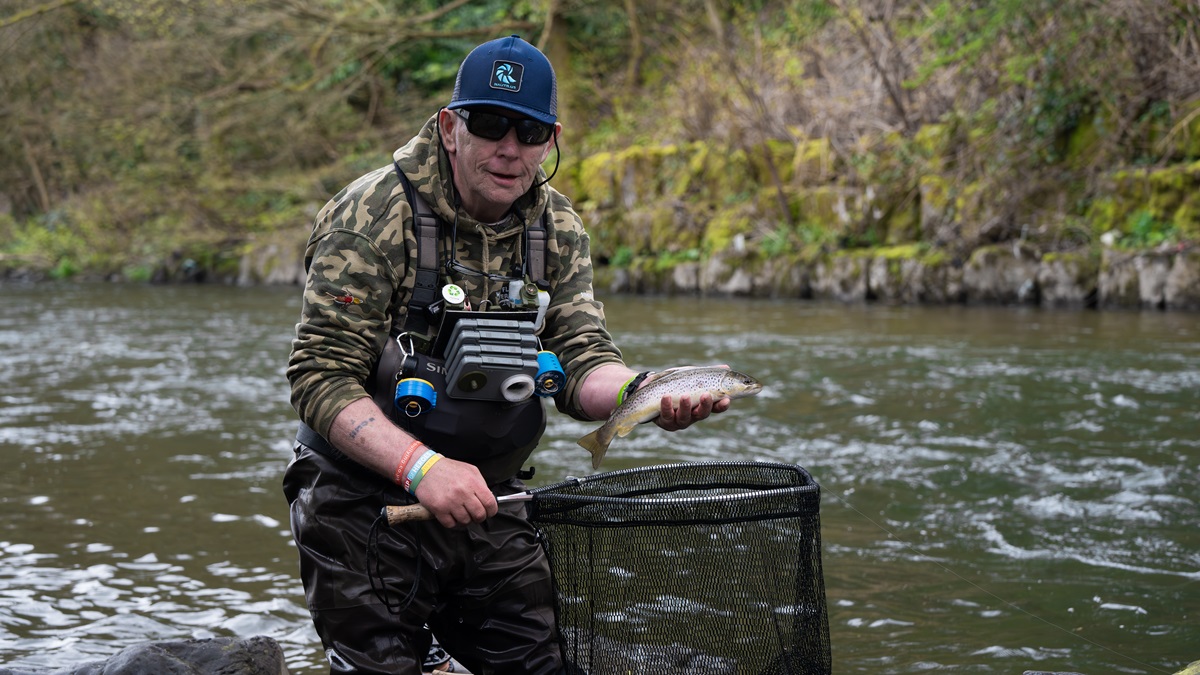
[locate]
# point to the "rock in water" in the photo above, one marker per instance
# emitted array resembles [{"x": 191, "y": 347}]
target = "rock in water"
[{"x": 256, "y": 655}]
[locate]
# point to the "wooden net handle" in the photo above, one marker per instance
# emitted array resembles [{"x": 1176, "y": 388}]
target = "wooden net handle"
[
  {"x": 406, "y": 514},
  {"x": 413, "y": 513}
]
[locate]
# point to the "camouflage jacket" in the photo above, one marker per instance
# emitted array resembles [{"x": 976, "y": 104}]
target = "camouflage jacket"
[{"x": 362, "y": 265}]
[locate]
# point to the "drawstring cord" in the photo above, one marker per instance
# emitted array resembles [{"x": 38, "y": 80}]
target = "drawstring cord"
[{"x": 375, "y": 573}]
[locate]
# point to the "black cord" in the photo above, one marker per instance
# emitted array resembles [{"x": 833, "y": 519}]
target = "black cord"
[
  {"x": 557, "y": 157},
  {"x": 375, "y": 573}
]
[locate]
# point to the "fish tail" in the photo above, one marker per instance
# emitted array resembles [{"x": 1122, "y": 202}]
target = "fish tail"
[{"x": 597, "y": 444}]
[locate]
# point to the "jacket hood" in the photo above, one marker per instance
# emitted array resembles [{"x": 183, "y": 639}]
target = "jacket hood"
[{"x": 428, "y": 168}]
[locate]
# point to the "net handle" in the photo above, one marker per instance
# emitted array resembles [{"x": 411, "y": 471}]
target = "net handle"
[
  {"x": 397, "y": 515},
  {"x": 414, "y": 513}
]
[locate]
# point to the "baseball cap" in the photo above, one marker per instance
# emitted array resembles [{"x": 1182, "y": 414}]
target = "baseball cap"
[{"x": 508, "y": 73}]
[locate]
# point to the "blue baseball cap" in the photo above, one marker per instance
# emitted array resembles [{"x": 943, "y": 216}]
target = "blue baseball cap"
[{"x": 508, "y": 73}]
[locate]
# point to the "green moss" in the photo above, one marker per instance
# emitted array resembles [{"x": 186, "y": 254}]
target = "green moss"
[
  {"x": 986, "y": 256},
  {"x": 905, "y": 252},
  {"x": 813, "y": 161},
  {"x": 1105, "y": 215},
  {"x": 597, "y": 180},
  {"x": 1144, "y": 230},
  {"x": 1187, "y": 217},
  {"x": 819, "y": 206},
  {"x": 676, "y": 175},
  {"x": 1084, "y": 142},
  {"x": 1149, "y": 205},
  {"x": 937, "y": 196},
  {"x": 903, "y": 222},
  {"x": 698, "y": 160},
  {"x": 726, "y": 224},
  {"x": 138, "y": 273},
  {"x": 1087, "y": 258},
  {"x": 727, "y": 173},
  {"x": 669, "y": 231},
  {"x": 1188, "y": 130},
  {"x": 1083, "y": 266},
  {"x": 1167, "y": 189},
  {"x": 669, "y": 260},
  {"x": 781, "y": 154},
  {"x": 608, "y": 229},
  {"x": 931, "y": 142},
  {"x": 65, "y": 269},
  {"x": 623, "y": 257},
  {"x": 971, "y": 203}
]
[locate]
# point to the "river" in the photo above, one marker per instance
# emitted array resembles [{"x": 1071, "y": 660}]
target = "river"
[{"x": 1003, "y": 488}]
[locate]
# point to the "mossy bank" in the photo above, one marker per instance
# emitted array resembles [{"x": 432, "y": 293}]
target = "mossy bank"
[{"x": 798, "y": 220}]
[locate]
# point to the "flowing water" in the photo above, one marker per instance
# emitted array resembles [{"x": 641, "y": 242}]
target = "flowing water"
[{"x": 1003, "y": 489}]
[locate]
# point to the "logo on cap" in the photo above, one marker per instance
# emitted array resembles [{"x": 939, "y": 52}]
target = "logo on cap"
[{"x": 506, "y": 75}]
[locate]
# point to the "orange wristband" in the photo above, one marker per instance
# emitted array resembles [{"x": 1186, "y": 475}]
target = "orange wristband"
[{"x": 402, "y": 467}]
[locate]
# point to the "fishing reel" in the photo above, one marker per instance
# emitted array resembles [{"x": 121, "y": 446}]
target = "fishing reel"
[
  {"x": 414, "y": 396},
  {"x": 550, "y": 377}
]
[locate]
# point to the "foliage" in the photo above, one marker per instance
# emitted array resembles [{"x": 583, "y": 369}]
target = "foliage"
[
  {"x": 1145, "y": 231},
  {"x": 131, "y": 130},
  {"x": 623, "y": 257}
]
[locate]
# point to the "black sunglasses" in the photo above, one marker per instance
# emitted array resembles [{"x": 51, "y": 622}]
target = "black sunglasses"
[{"x": 493, "y": 127}]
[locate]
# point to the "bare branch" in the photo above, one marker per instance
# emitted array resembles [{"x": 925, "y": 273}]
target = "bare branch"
[
  {"x": 548, "y": 26},
  {"x": 34, "y": 11},
  {"x": 397, "y": 29},
  {"x": 39, "y": 182},
  {"x": 859, "y": 25},
  {"x": 633, "y": 76}
]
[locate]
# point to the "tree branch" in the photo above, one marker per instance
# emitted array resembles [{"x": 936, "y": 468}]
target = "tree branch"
[
  {"x": 305, "y": 10},
  {"x": 633, "y": 75},
  {"x": 39, "y": 182},
  {"x": 548, "y": 26},
  {"x": 858, "y": 23},
  {"x": 34, "y": 11}
]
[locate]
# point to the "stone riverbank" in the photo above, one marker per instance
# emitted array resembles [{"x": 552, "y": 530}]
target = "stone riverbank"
[{"x": 1007, "y": 274}]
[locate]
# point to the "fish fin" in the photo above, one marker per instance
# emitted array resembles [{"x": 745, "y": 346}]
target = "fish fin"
[
  {"x": 672, "y": 371},
  {"x": 594, "y": 443},
  {"x": 624, "y": 429}
]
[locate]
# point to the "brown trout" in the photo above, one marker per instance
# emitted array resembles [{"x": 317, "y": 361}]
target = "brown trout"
[{"x": 645, "y": 403}]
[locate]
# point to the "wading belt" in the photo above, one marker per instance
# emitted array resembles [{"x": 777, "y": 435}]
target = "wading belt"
[{"x": 317, "y": 442}]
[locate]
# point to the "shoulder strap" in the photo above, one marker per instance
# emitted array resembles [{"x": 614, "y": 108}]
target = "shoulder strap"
[
  {"x": 537, "y": 249},
  {"x": 426, "y": 227}
]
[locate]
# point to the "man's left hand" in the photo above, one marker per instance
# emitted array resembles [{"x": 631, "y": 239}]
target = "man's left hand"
[{"x": 674, "y": 419}]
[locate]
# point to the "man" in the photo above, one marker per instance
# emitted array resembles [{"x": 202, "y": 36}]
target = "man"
[{"x": 476, "y": 575}]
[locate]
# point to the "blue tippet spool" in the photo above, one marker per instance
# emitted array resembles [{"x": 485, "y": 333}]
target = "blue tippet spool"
[
  {"x": 415, "y": 396},
  {"x": 550, "y": 378}
]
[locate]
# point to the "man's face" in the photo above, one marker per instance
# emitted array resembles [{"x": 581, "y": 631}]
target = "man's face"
[{"x": 490, "y": 175}]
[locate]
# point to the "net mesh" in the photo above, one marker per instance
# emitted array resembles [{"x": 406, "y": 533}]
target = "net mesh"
[{"x": 702, "y": 568}]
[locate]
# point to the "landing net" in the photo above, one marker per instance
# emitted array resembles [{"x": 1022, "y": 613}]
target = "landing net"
[{"x": 703, "y": 568}]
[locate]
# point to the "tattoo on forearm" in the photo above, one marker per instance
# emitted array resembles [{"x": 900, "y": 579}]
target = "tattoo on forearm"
[{"x": 362, "y": 425}]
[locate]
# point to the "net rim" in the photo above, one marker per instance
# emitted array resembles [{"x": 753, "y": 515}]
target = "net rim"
[
  {"x": 576, "y": 481},
  {"x": 556, "y": 504}
]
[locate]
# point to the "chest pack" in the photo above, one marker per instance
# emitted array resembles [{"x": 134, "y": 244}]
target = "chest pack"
[{"x": 465, "y": 406}]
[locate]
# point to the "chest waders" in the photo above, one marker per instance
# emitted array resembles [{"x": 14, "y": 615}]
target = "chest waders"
[{"x": 495, "y": 436}]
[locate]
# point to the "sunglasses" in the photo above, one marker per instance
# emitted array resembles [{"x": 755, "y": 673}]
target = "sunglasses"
[{"x": 494, "y": 127}]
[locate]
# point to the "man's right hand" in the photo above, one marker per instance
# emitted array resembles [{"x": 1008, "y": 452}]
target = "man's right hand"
[{"x": 456, "y": 494}]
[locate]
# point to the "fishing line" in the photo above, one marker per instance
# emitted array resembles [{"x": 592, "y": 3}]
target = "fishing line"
[{"x": 976, "y": 586}]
